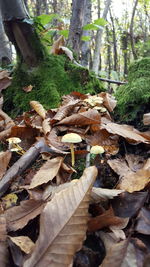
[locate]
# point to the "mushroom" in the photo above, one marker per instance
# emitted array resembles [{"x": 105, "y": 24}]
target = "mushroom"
[
  {"x": 71, "y": 138},
  {"x": 13, "y": 144},
  {"x": 97, "y": 150}
]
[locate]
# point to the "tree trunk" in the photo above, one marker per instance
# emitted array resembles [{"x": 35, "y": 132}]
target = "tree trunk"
[
  {"x": 21, "y": 32},
  {"x": 115, "y": 67},
  {"x": 131, "y": 30},
  {"x": 5, "y": 51},
  {"x": 85, "y": 46},
  {"x": 76, "y": 24},
  {"x": 96, "y": 57}
]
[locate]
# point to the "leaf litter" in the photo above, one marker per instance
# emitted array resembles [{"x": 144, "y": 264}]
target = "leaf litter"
[{"x": 69, "y": 208}]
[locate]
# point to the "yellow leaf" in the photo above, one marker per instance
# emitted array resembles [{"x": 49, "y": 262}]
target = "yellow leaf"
[{"x": 38, "y": 108}]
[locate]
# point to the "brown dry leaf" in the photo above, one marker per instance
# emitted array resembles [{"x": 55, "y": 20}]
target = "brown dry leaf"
[
  {"x": 65, "y": 110},
  {"x": 99, "y": 194},
  {"x": 102, "y": 138},
  {"x": 146, "y": 119},
  {"x": 143, "y": 221},
  {"x": 23, "y": 242},
  {"x": 47, "y": 172},
  {"x": 38, "y": 108},
  {"x": 135, "y": 182},
  {"x": 3, "y": 74},
  {"x": 28, "y": 88},
  {"x": 5, "y": 82},
  {"x": 46, "y": 126},
  {"x": 105, "y": 220},
  {"x": 66, "y": 215},
  {"x": 84, "y": 118},
  {"x": 54, "y": 141},
  {"x": 108, "y": 101},
  {"x": 126, "y": 131},
  {"x": 4, "y": 161},
  {"x": 55, "y": 49},
  {"x": 4, "y": 257},
  {"x": 115, "y": 255},
  {"x": 134, "y": 179},
  {"x": 18, "y": 217}
]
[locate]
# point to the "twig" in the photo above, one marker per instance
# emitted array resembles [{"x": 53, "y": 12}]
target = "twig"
[
  {"x": 110, "y": 81},
  {"x": 22, "y": 164}
]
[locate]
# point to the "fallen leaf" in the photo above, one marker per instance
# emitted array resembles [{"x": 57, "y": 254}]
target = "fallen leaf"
[
  {"x": 4, "y": 83},
  {"x": 56, "y": 45},
  {"x": 143, "y": 221},
  {"x": 130, "y": 180},
  {"x": 105, "y": 220},
  {"x": 65, "y": 110},
  {"x": 108, "y": 101},
  {"x": 46, "y": 126},
  {"x": 47, "y": 172},
  {"x": 4, "y": 161},
  {"x": 38, "y": 108},
  {"x": 66, "y": 215},
  {"x": 146, "y": 119},
  {"x": 18, "y": 217},
  {"x": 23, "y": 242},
  {"x": 4, "y": 256},
  {"x": 9, "y": 201},
  {"x": 127, "y": 205},
  {"x": 99, "y": 194},
  {"x": 28, "y": 88},
  {"x": 126, "y": 131},
  {"x": 84, "y": 118}
]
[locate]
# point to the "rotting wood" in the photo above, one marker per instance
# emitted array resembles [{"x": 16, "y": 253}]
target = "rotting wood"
[{"x": 110, "y": 81}]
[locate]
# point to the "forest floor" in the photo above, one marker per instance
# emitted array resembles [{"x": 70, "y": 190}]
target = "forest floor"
[{"x": 94, "y": 212}]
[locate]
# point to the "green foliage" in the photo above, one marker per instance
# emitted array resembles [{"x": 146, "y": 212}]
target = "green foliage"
[
  {"x": 101, "y": 22},
  {"x": 54, "y": 77},
  {"x": 133, "y": 98},
  {"x": 45, "y": 19},
  {"x": 97, "y": 24},
  {"x": 86, "y": 38}
]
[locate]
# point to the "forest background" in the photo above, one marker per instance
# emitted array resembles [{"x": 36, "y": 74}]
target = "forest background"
[{"x": 110, "y": 34}]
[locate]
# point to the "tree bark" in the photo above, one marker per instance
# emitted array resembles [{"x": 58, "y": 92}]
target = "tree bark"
[
  {"x": 98, "y": 41},
  {"x": 85, "y": 45},
  {"x": 5, "y": 51},
  {"x": 21, "y": 32},
  {"x": 115, "y": 55},
  {"x": 131, "y": 30},
  {"x": 76, "y": 24}
]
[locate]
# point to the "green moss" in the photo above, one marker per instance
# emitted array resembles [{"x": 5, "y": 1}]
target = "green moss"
[
  {"x": 54, "y": 77},
  {"x": 133, "y": 98}
]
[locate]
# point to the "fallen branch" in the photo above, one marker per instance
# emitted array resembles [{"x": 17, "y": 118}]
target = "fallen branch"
[
  {"x": 22, "y": 164},
  {"x": 110, "y": 81}
]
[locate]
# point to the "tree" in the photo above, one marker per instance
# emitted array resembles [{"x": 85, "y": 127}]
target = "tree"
[
  {"x": 5, "y": 51},
  {"x": 85, "y": 45},
  {"x": 76, "y": 24},
  {"x": 131, "y": 30},
  {"x": 98, "y": 40},
  {"x": 20, "y": 31}
]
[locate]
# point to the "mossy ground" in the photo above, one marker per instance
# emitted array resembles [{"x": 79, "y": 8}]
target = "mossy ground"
[
  {"x": 54, "y": 77},
  {"x": 134, "y": 98}
]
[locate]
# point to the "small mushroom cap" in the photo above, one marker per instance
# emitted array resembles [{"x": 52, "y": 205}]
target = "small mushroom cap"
[
  {"x": 13, "y": 140},
  {"x": 71, "y": 138},
  {"x": 97, "y": 150}
]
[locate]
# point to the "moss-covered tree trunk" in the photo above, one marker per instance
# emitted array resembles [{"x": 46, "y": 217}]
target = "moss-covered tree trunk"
[
  {"x": 51, "y": 76},
  {"x": 20, "y": 31}
]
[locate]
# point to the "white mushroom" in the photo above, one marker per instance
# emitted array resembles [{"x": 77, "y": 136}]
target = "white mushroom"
[
  {"x": 97, "y": 150},
  {"x": 71, "y": 138}
]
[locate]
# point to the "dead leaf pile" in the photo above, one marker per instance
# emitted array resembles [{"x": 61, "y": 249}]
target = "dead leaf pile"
[{"x": 45, "y": 202}]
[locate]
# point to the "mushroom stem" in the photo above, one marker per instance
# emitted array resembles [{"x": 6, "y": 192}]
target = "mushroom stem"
[{"x": 72, "y": 155}]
